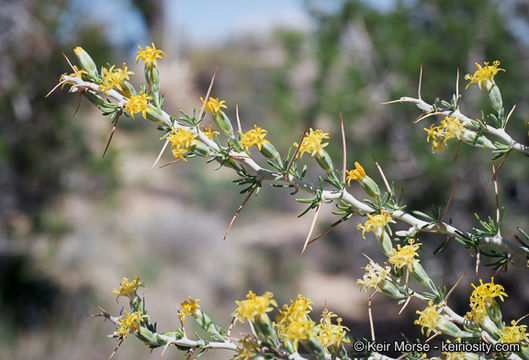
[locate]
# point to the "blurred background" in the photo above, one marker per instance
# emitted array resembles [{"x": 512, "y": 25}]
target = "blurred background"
[{"x": 72, "y": 223}]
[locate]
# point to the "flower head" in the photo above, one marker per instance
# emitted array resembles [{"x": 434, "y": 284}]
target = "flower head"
[
  {"x": 484, "y": 296},
  {"x": 256, "y": 137},
  {"x": 376, "y": 223},
  {"x": 484, "y": 74},
  {"x": 405, "y": 255},
  {"x": 149, "y": 55},
  {"x": 312, "y": 142},
  {"x": 214, "y": 105},
  {"x": 208, "y": 131},
  {"x": 254, "y": 306},
  {"x": 429, "y": 318},
  {"x": 514, "y": 334},
  {"x": 138, "y": 103},
  {"x": 114, "y": 77},
  {"x": 374, "y": 275},
  {"x": 128, "y": 288},
  {"x": 188, "y": 308},
  {"x": 293, "y": 322},
  {"x": 129, "y": 324},
  {"x": 329, "y": 334},
  {"x": 356, "y": 174},
  {"x": 450, "y": 127},
  {"x": 181, "y": 142}
]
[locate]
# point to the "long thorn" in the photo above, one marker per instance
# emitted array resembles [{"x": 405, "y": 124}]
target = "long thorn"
[
  {"x": 324, "y": 233},
  {"x": 495, "y": 173},
  {"x": 497, "y": 197},
  {"x": 405, "y": 305},
  {"x": 237, "y": 117},
  {"x": 393, "y": 101},
  {"x": 454, "y": 287},
  {"x": 344, "y": 148},
  {"x": 509, "y": 116},
  {"x": 311, "y": 228},
  {"x": 159, "y": 155},
  {"x": 386, "y": 183},
  {"x": 69, "y": 63},
  {"x": 449, "y": 201},
  {"x": 238, "y": 212},
  {"x": 371, "y": 324},
  {"x": 114, "y": 127},
  {"x": 457, "y": 85},
  {"x": 297, "y": 150},
  {"x": 55, "y": 87},
  {"x": 457, "y": 150},
  {"x": 420, "y": 84},
  {"x": 422, "y": 117}
]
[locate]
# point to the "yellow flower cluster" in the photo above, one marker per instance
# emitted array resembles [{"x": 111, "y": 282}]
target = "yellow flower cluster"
[
  {"x": 429, "y": 318},
  {"x": 149, "y": 55},
  {"x": 376, "y": 224},
  {"x": 373, "y": 276},
  {"x": 329, "y": 334},
  {"x": 449, "y": 128},
  {"x": 208, "y": 131},
  {"x": 138, "y": 103},
  {"x": 114, "y": 77},
  {"x": 405, "y": 255},
  {"x": 130, "y": 323},
  {"x": 482, "y": 297},
  {"x": 214, "y": 105},
  {"x": 256, "y": 137},
  {"x": 312, "y": 142},
  {"x": 514, "y": 334},
  {"x": 254, "y": 306},
  {"x": 247, "y": 348},
  {"x": 357, "y": 174},
  {"x": 128, "y": 288},
  {"x": 181, "y": 142},
  {"x": 188, "y": 308},
  {"x": 293, "y": 322},
  {"x": 483, "y": 74}
]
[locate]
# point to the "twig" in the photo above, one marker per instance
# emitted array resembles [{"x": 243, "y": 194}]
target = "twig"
[{"x": 239, "y": 211}]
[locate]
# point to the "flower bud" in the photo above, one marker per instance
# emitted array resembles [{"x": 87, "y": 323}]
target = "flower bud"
[
  {"x": 200, "y": 149},
  {"x": 488, "y": 325},
  {"x": 449, "y": 328},
  {"x": 421, "y": 275},
  {"x": 314, "y": 346},
  {"x": 494, "y": 95},
  {"x": 155, "y": 115},
  {"x": 223, "y": 123},
  {"x": 94, "y": 98},
  {"x": 370, "y": 187},
  {"x": 390, "y": 289},
  {"x": 385, "y": 244},
  {"x": 269, "y": 150},
  {"x": 86, "y": 61},
  {"x": 324, "y": 160}
]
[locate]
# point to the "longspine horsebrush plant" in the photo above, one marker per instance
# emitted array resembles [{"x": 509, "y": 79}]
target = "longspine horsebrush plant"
[{"x": 293, "y": 334}]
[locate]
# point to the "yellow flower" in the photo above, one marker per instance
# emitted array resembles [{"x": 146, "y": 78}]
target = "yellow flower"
[
  {"x": 129, "y": 324},
  {"x": 357, "y": 174},
  {"x": 376, "y": 224},
  {"x": 514, "y": 334},
  {"x": 430, "y": 318},
  {"x": 128, "y": 288},
  {"x": 214, "y": 105},
  {"x": 138, "y": 103},
  {"x": 114, "y": 77},
  {"x": 254, "y": 306},
  {"x": 373, "y": 276},
  {"x": 449, "y": 128},
  {"x": 208, "y": 131},
  {"x": 483, "y": 74},
  {"x": 181, "y": 142},
  {"x": 405, "y": 255},
  {"x": 330, "y": 334},
  {"x": 293, "y": 322},
  {"x": 248, "y": 347},
  {"x": 482, "y": 297},
  {"x": 149, "y": 55},
  {"x": 188, "y": 308},
  {"x": 312, "y": 142},
  {"x": 256, "y": 137}
]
